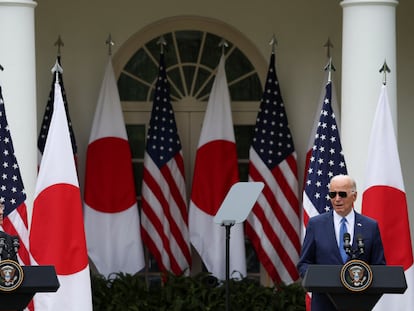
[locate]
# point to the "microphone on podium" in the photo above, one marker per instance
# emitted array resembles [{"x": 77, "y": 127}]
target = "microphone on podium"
[
  {"x": 360, "y": 244},
  {"x": 16, "y": 245},
  {"x": 2, "y": 244},
  {"x": 347, "y": 243}
]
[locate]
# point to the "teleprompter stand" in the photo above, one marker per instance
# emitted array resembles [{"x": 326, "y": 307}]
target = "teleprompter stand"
[
  {"x": 36, "y": 279},
  {"x": 326, "y": 279},
  {"x": 235, "y": 208}
]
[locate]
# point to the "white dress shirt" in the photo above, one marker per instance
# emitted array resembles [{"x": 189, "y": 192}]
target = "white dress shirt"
[{"x": 350, "y": 223}]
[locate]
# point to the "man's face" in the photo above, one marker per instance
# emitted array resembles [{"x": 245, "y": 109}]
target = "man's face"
[
  {"x": 1, "y": 214},
  {"x": 342, "y": 195}
]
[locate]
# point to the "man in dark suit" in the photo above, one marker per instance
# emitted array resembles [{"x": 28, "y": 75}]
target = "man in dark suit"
[
  {"x": 323, "y": 235},
  {"x": 7, "y": 247}
]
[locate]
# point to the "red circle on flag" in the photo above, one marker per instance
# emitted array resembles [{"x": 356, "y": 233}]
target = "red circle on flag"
[
  {"x": 109, "y": 180},
  {"x": 57, "y": 235}
]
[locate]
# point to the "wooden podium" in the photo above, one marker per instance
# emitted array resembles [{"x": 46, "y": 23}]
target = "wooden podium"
[
  {"x": 326, "y": 279},
  {"x": 36, "y": 279}
]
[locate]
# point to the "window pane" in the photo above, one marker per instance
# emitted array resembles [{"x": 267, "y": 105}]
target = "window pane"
[
  {"x": 189, "y": 76},
  {"x": 176, "y": 82},
  {"x": 246, "y": 89},
  {"x": 142, "y": 66},
  {"x": 212, "y": 51},
  {"x": 136, "y": 138},
  {"x": 131, "y": 90},
  {"x": 189, "y": 43},
  {"x": 169, "y": 51},
  {"x": 252, "y": 263},
  {"x": 244, "y": 137},
  {"x": 138, "y": 171},
  {"x": 237, "y": 65},
  {"x": 202, "y": 76},
  {"x": 244, "y": 171}
]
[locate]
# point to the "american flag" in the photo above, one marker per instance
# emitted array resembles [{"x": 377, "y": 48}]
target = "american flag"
[
  {"x": 164, "y": 218},
  {"x": 273, "y": 225},
  {"x": 12, "y": 193},
  {"x": 44, "y": 129},
  {"x": 326, "y": 161}
]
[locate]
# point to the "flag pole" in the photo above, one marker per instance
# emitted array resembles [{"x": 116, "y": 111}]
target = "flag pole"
[
  {"x": 384, "y": 69},
  {"x": 59, "y": 43},
  {"x": 273, "y": 43},
  {"x": 162, "y": 43},
  {"x": 57, "y": 69},
  {"x": 329, "y": 67},
  {"x": 228, "y": 223},
  {"x": 110, "y": 43},
  {"x": 328, "y": 46},
  {"x": 223, "y": 44}
]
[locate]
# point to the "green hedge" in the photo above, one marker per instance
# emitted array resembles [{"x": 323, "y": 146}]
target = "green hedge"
[{"x": 202, "y": 292}]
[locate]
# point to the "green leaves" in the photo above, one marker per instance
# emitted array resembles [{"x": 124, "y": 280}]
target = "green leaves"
[{"x": 203, "y": 292}]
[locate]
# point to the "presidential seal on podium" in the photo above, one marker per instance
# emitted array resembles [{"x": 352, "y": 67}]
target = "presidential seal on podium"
[
  {"x": 11, "y": 275},
  {"x": 356, "y": 275}
]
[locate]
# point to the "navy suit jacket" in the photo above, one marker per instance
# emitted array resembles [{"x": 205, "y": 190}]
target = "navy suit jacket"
[{"x": 320, "y": 247}]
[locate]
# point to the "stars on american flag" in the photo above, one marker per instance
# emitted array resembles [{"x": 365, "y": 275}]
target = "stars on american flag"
[
  {"x": 272, "y": 140},
  {"x": 162, "y": 138},
  {"x": 47, "y": 117},
  {"x": 327, "y": 159},
  {"x": 12, "y": 192}
]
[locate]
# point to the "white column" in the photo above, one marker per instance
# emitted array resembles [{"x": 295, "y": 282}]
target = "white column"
[
  {"x": 368, "y": 39},
  {"x": 18, "y": 81}
]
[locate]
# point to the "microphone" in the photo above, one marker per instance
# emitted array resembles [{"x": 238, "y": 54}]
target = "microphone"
[
  {"x": 360, "y": 244},
  {"x": 2, "y": 244},
  {"x": 16, "y": 245},
  {"x": 347, "y": 243}
]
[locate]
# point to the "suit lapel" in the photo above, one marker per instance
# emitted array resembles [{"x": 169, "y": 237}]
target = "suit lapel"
[
  {"x": 331, "y": 236},
  {"x": 358, "y": 229}
]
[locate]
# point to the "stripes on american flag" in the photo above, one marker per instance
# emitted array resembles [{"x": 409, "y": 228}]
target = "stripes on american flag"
[
  {"x": 164, "y": 217},
  {"x": 326, "y": 161},
  {"x": 47, "y": 116},
  {"x": 12, "y": 193},
  {"x": 273, "y": 225}
]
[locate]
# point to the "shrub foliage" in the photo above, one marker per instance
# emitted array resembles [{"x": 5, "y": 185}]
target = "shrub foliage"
[{"x": 202, "y": 292}]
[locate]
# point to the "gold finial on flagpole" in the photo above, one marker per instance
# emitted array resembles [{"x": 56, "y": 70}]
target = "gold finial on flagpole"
[
  {"x": 273, "y": 43},
  {"x": 162, "y": 43},
  {"x": 59, "y": 43},
  {"x": 110, "y": 43},
  {"x": 223, "y": 44},
  {"x": 384, "y": 69}
]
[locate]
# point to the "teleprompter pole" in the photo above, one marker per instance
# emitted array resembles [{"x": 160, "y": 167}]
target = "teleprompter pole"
[{"x": 228, "y": 224}]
